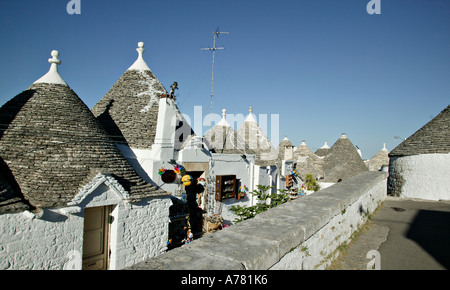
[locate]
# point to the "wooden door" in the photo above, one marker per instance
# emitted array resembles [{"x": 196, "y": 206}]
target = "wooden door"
[{"x": 96, "y": 238}]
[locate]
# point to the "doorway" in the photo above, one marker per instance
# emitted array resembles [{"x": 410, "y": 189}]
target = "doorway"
[{"x": 96, "y": 238}]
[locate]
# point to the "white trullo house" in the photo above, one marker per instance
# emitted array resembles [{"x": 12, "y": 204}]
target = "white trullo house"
[
  {"x": 68, "y": 197},
  {"x": 420, "y": 166}
]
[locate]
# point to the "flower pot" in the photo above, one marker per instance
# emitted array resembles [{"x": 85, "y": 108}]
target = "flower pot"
[{"x": 213, "y": 227}]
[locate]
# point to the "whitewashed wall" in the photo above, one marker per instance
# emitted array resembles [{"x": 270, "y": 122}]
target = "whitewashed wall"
[
  {"x": 141, "y": 231},
  {"x": 424, "y": 176},
  {"x": 53, "y": 239},
  {"x": 27, "y": 242},
  {"x": 233, "y": 164}
]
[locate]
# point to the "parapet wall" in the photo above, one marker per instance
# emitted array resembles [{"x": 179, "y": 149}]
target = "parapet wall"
[{"x": 301, "y": 234}]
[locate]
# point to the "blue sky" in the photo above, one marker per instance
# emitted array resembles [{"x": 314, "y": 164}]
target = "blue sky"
[{"x": 324, "y": 66}]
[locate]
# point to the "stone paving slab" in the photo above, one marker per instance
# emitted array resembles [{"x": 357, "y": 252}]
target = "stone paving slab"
[
  {"x": 409, "y": 234},
  {"x": 356, "y": 255}
]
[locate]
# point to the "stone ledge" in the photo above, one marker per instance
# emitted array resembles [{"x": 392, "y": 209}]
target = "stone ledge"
[{"x": 261, "y": 242}]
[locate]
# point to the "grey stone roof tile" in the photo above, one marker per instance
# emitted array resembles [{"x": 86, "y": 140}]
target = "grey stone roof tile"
[
  {"x": 433, "y": 137},
  {"x": 50, "y": 141},
  {"x": 342, "y": 161}
]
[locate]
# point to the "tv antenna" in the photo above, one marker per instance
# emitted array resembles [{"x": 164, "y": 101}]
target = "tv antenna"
[{"x": 213, "y": 49}]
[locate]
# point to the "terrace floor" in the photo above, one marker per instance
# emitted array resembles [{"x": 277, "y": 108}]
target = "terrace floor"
[{"x": 409, "y": 234}]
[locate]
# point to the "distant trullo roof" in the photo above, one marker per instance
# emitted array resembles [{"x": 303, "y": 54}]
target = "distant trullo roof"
[
  {"x": 224, "y": 139},
  {"x": 258, "y": 142},
  {"x": 285, "y": 143},
  {"x": 433, "y": 137},
  {"x": 322, "y": 151},
  {"x": 307, "y": 162},
  {"x": 378, "y": 160},
  {"x": 129, "y": 111},
  {"x": 342, "y": 161},
  {"x": 51, "y": 145}
]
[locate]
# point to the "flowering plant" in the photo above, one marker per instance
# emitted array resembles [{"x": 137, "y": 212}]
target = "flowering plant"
[
  {"x": 242, "y": 191},
  {"x": 215, "y": 219}
]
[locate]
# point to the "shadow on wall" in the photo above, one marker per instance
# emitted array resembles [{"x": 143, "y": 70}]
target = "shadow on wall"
[{"x": 430, "y": 230}]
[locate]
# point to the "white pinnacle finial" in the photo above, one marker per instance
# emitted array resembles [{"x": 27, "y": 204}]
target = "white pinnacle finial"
[
  {"x": 224, "y": 122},
  {"x": 140, "y": 48},
  {"x": 52, "y": 77},
  {"x": 250, "y": 117},
  {"x": 54, "y": 59},
  {"x": 325, "y": 146},
  {"x": 384, "y": 147},
  {"x": 140, "y": 63}
]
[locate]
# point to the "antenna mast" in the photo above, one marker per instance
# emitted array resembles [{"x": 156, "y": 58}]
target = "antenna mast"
[{"x": 213, "y": 49}]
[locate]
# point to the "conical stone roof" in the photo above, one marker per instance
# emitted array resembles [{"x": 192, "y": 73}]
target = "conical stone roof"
[
  {"x": 378, "y": 160},
  {"x": 342, "y": 161},
  {"x": 285, "y": 143},
  {"x": 129, "y": 111},
  {"x": 224, "y": 139},
  {"x": 11, "y": 197},
  {"x": 257, "y": 141},
  {"x": 433, "y": 137},
  {"x": 306, "y": 162},
  {"x": 322, "y": 151},
  {"x": 52, "y": 144}
]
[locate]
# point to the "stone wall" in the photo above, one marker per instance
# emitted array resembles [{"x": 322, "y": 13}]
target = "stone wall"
[
  {"x": 53, "y": 238},
  {"x": 424, "y": 176},
  {"x": 43, "y": 241},
  {"x": 301, "y": 234}
]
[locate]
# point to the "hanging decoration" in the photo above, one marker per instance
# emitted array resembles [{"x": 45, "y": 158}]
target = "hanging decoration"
[
  {"x": 187, "y": 180},
  {"x": 161, "y": 171},
  {"x": 179, "y": 170},
  {"x": 201, "y": 181},
  {"x": 169, "y": 176}
]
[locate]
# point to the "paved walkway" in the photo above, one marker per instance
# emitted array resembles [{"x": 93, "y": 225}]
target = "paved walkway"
[{"x": 409, "y": 234}]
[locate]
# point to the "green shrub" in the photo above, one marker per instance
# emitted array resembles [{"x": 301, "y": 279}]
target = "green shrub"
[
  {"x": 311, "y": 183},
  {"x": 244, "y": 212}
]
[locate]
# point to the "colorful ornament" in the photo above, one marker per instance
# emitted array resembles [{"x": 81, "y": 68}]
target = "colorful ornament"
[
  {"x": 179, "y": 170},
  {"x": 201, "y": 181},
  {"x": 161, "y": 171},
  {"x": 242, "y": 191},
  {"x": 187, "y": 180}
]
